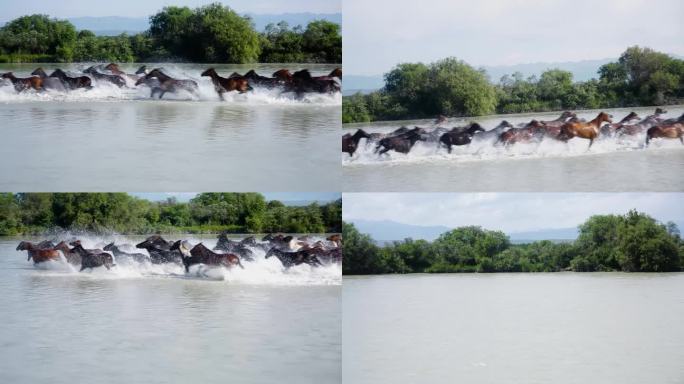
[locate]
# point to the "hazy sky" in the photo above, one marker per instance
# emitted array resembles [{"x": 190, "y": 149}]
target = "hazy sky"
[
  {"x": 381, "y": 33},
  {"x": 509, "y": 212},
  {"x": 282, "y": 196},
  {"x": 135, "y": 8}
]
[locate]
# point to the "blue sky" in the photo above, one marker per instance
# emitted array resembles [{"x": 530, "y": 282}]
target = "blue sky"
[
  {"x": 379, "y": 34},
  {"x": 136, "y": 8},
  {"x": 510, "y": 212},
  {"x": 282, "y": 196}
]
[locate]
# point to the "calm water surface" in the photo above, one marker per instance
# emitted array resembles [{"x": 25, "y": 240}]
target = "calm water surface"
[
  {"x": 159, "y": 326},
  {"x": 111, "y": 139},
  {"x": 610, "y": 165},
  {"x": 514, "y": 328}
]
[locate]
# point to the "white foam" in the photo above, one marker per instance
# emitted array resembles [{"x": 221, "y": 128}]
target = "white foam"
[{"x": 262, "y": 271}]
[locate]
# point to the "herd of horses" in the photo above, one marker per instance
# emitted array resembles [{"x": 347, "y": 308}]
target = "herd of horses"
[
  {"x": 290, "y": 251},
  {"x": 564, "y": 128},
  {"x": 160, "y": 83}
]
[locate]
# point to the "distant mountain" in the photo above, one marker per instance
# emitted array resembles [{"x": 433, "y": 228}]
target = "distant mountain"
[
  {"x": 389, "y": 230},
  {"x": 545, "y": 234},
  {"x": 115, "y": 25}
]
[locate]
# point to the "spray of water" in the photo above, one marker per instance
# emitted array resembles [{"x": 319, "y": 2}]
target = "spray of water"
[
  {"x": 262, "y": 271},
  {"x": 104, "y": 91}
]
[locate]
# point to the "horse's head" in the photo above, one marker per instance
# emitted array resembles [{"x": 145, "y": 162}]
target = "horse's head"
[
  {"x": 567, "y": 115},
  {"x": 114, "y": 68},
  {"x": 234, "y": 74},
  {"x": 337, "y": 72},
  {"x": 283, "y": 74},
  {"x": 24, "y": 245},
  {"x": 109, "y": 247},
  {"x": 7, "y": 75},
  {"x": 475, "y": 127},
  {"x": 142, "y": 70},
  {"x": 631, "y": 116},
  {"x": 605, "y": 117},
  {"x": 211, "y": 72},
  {"x": 90, "y": 70},
  {"x": 75, "y": 243},
  {"x": 660, "y": 111},
  {"x": 39, "y": 72},
  {"x": 505, "y": 124},
  {"x": 270, "y": 252},
  {"x": 152, "y": 241},
  {"x": 361, "y": 134}
]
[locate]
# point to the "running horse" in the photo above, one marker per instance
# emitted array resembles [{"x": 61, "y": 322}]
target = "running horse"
[
  {"x": 586, "y": 130},
  {"x": 199, "y": 254},
  {"x": 38, "y": 255},
  {"x": 669, "y": 129},
  {"x": 168, "y": 83},
  {"x": 351, "y": 142},
  {"x": 289, "y": 259},
  {"x": 24, "y": 83},
  {"x": 49, "y": 82},
  {"x": 72, "y": 82},
  {"x": 222, "y": 84}
]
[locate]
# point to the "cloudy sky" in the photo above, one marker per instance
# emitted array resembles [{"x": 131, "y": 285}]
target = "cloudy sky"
[
  {"x": 510, "y": 212},
  {"x": 381, "y": 33},
  {"x": 135, "y": 8}
]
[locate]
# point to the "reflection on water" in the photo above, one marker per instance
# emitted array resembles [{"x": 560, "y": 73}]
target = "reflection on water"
[
  {"x": 513, "y": 328},
  {"x": 133, "y": 145},
  {"x": 612, "y": 164},
  {"x": 62, "y": 327}
]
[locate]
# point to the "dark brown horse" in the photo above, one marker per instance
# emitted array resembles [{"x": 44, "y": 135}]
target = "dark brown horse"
[
  {"x": 24, "y": 83},
  {"x": 337, "y": 72},
  {"x": 401, "y": 143},
  {"x": 351, "y": 142},
  {"x": 38, "y": 255},
  {"x": 262, "y": 81},
  {"x": 72, "y": 82},
  {"x": 290, "y": 259},
  {"x": 199, "y": 254},
  {"x": 49, "y": 83},
  {"x": 236, "y": 247},
  {"x": 586, "y": 130},
  {"x": 304, "y": 82},
  {"x": 168, "y": 83},
  {"x": 222, "y": 84},
  {"x": 159, "y": 250},
  {"x": 92, "y": 258}
]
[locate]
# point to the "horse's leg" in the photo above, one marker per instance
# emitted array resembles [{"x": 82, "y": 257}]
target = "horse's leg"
[
  {"x": 591, "y": 141},
  {"x": 161, "y": 94},
  {"x": 384, "y": 150},
  {"x": 221, "y": 96}
]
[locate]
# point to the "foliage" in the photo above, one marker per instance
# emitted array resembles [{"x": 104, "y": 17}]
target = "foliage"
[
  {"x": 633, "y": 242},
  {"x": 641, "y": 76},
  {"x": 118, "y": 212},
  {"x": 213, "y": 33}
]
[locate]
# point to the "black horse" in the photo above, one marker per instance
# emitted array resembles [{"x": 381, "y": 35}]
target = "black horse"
[
  {"x": 137, "y": 257},
  {"x": 92, "y": 258},
  {"x": 351, "y": 142},
  {"x": 460, "y": 135},
  {"x": 289, "y": 259}
]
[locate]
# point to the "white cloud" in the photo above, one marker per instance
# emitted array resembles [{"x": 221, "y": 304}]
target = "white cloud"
[
  {"x": 498, "y": 32},
  {"x": 510, "y": 212}
]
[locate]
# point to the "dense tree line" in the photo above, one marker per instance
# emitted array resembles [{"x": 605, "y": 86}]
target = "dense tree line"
[
  {"x": 210, "y": 34},
  {"x": 632, "y": 242},
  {"x": 26, "y": 213},
  {"x": 641, "y": 76}
]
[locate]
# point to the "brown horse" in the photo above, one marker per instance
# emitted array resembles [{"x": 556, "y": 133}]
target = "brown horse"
[
  {"x": 24, "y": 83},
  {"x": 589, "y": 130},
  {"x": 199, "y": 254},
  {"x": 669, "y": 129},
  {"x": 336, "y": 238},
  {"x": 552, "y": 128},
  {"x": 72, "y": 82},
  {"x": 304, "y": 82},
  {"x": 168, "y": 83},
  {"x": 222, "y": 84},
  {"x": 283, "y": 75},
  {"x": 38, "y": 255},
  {"x": 351, "y": 142},
  {"x": 70, "y": 255}
]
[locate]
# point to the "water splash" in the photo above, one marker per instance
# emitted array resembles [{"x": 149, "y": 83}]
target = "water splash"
[{"x": 262, "y": 271}]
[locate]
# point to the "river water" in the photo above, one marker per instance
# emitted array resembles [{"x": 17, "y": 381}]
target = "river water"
[
  {"x": 513, "y": 328},
  {"x": 111, "y": 139},
  {"x": 155, "y": 324},
  {"x": 614, "y": 164}
]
